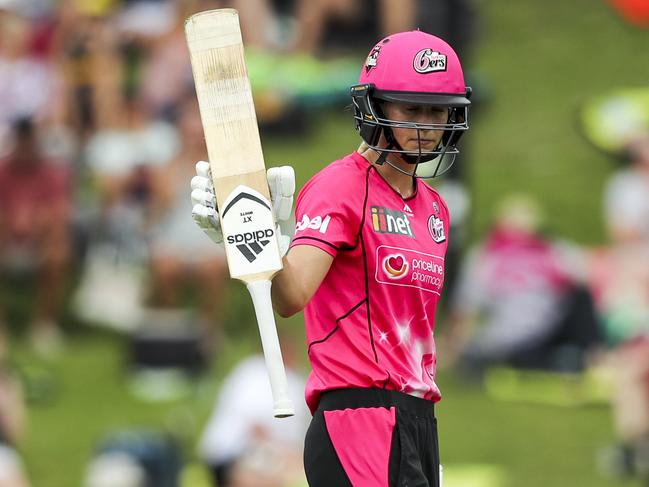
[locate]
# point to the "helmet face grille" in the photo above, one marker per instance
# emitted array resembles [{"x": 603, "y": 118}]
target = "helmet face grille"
[{"x": 371, "y": 123}]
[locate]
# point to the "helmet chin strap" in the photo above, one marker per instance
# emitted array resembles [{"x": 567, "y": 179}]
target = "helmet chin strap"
[{"x": 383, "y": 156}]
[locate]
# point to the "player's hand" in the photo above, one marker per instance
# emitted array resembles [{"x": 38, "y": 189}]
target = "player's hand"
[
  {"x": 204, "y": 201},
  {"x": 281, "y": 182}
]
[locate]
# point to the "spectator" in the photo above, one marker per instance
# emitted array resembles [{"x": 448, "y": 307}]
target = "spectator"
[
  {"x": 242, "y": 444},
  {"x": 623, "y": 289},
  {"x": 317, "y": 19},
  {"x": 114, "y": 470},
  {"x": 520, "y": 300},
  {"x": 627, "y": 197},
  {"x": 629, "y": 365},
  {"x": 177, "y": 242},
  {"x": 11, "y": 427},
  {"x": 29, "y": 85},
  {"x": 168, "y": 59},
  {"x": 34, "y": 228},
  {"x": 310, "y": 26},
  {"x": 135, "y": 458},
  {"x": 91, "y": 61},
  {"x": 123, "y": 157},
  {"x": 340, "y": 24},
  {"x": 622, "y": 271}
]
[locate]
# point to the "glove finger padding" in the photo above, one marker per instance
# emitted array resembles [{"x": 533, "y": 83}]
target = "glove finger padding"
[
  {"x": 281, "y": 182},
  {"x": 204, "y": 198},
  {"x": 208, "y": 220},
  {"x": 203, "y": 170},
  {"x": 203, "y": 183},
  {"x": 283, "y": 206}
]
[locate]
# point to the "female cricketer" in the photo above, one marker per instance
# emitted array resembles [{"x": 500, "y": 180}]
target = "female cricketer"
[{"x": 366, "y": 263}]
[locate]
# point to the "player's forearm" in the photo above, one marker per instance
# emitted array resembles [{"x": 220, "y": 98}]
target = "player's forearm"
[
  {"x": 304, "y": 270},
  {"x": 288, "y": 294}
]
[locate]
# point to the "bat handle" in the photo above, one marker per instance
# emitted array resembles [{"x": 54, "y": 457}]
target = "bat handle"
[{"x": 260, "y": 293}]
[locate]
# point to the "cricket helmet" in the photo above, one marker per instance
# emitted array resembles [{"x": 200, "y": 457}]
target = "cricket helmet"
[{"x": 413, "y": 68}]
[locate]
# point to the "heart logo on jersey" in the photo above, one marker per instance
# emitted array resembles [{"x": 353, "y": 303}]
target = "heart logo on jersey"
[
  {"x": 395, "y": 266},
  {"x": 396, "y": 263}
]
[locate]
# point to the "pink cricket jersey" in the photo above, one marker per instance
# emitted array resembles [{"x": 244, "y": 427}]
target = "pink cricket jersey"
[{"x": 371, "y": 321}]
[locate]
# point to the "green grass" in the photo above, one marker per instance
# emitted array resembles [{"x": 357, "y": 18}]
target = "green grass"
[
  {"x": 537, "y": 62},
  {"x": 90, "y": 399},
  {"x": 541, "y": 60},
  {"x": 533, "y": 445}
]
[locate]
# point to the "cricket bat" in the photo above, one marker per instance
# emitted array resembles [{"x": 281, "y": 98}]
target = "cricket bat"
[{"x": 238, "y": 173}]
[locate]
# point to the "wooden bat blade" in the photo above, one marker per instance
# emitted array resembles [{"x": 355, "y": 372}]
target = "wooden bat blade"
[
  {"x": 224, "y": 93},
  {"x": 233, "y": 144}
]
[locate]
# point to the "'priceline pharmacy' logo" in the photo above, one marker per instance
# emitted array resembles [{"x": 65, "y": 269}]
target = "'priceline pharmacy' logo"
[{"x": 398, "y": 266}]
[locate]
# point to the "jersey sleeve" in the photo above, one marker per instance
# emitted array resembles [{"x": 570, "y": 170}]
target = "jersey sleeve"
[{"x": 328, "y": 214}]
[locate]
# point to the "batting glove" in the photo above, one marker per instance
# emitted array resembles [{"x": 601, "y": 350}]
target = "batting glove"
[{"x": 281, "y": 182}]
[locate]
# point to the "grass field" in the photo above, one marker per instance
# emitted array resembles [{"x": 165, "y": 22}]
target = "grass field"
[
  {"x": 537, "y": 61},
  {"x": 531, "y": 445},
  {"x": 540, "y": 61}
]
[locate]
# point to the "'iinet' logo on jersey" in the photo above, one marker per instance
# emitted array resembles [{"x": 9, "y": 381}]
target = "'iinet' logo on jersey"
[
  {"x": 385, "y": 220},
  {"x": 315, "y": 223}
]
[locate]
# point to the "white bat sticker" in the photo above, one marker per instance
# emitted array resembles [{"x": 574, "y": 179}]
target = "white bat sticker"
[{"x": 249, "y": 232}]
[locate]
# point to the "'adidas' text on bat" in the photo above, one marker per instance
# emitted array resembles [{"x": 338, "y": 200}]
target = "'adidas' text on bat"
[{"x": 238, "y": 173}]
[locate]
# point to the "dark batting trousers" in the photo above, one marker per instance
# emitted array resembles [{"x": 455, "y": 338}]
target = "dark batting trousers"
[{"x": 372, "y": 438}]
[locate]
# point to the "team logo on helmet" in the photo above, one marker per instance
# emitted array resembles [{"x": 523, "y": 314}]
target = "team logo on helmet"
[
  {"x": 372, "y": 58},
  {"x": 429, "y": 61}
]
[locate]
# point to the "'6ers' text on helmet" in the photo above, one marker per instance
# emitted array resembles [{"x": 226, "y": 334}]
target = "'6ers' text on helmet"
[{"x": 412, "y": 68}]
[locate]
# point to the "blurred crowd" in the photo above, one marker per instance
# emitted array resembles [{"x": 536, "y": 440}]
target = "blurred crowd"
[
  {"x": 545, "y": 309},
  {"x": 99, "y": 133}
]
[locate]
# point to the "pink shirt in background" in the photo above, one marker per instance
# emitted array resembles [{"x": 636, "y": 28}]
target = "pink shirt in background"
[
  {"x": 371, "y": 322},
  {"x": 32, "y": 199}
]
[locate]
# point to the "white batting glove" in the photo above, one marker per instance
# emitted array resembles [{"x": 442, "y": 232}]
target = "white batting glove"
[{"x": 281, "y": 182}]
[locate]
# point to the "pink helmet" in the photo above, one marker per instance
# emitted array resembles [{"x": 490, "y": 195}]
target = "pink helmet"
[{"x": 417, "y": 68}]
